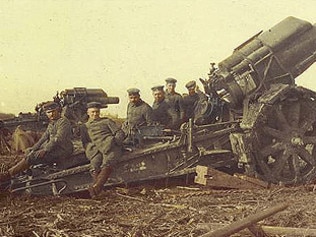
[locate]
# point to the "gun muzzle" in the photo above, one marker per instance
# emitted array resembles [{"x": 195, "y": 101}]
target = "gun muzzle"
[
  {"x": 104, "y": 101},
  {"x": 83, "y": 95}
]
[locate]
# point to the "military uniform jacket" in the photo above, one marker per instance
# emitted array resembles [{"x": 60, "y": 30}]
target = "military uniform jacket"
[
  {"x": 191, "y": 102},
  {"x": 57, "y": 136},
  {"x": 164, "y": 114},
  {"x": 139, "y": 114},
  {"x": 175, "y": 101},
  {"x": 100, "y": 135}
]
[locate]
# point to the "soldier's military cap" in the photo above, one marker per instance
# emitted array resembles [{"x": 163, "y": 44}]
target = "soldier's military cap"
[
  {"x": 190, "y": 84},
  {"x": 157, "y": 88},
  {"x": 50, "y": 106},
  {"x": 171, "y": 80},
  {"x": 133, "y": 91},
  {"x": 94, "y": 104}
]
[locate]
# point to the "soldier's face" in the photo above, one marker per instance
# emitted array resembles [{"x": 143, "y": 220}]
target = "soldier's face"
[
  {"x": 93, "y": 113},
  {"x": 171, "y": 87},
  {"x": 191, "y": 90},
  {"x": 134, "y": 98},
  {"x": 158, "y": 95},
  {"x": 53, "y": 114}
]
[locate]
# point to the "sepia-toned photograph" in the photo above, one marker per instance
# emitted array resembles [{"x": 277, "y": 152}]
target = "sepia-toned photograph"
[{"x": 143, "y": 118}]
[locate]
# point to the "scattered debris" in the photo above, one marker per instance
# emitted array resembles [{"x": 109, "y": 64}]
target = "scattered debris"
[
  {"x": 163, "y": 212},
  {"x": 247, "y": 222},
  {"x": 214, "y": 178},
  {"x": 270, "y": 230}
]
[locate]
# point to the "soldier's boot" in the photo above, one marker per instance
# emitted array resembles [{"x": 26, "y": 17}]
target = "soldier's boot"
[{"x": 102, "y": 177}]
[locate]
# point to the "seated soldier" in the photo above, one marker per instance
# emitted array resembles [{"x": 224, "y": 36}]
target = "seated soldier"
[
  {"x": 102, "y": 140},
  {"x": 54, "y": 144},
  {"x": 192, "y": 100},
  {"x": 163, "y": 113},
  {"x": 174, "y": 99},
  {"x": 139, "y": 113}
]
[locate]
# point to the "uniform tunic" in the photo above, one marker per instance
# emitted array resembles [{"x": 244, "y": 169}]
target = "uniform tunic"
[
  {"x": 191, "y": 102},
  {"x": 164, "y": 114},
  {"x": 138, "y": 114},
  {"x": 56, "y": 141},
  {"x": 102, "y": 139},
  {"x": 175, "y": 100}
]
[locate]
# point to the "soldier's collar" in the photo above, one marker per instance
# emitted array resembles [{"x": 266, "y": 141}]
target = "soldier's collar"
[
  {"x": 159, "y": 102},
  {"x": 137, "y": 104}
]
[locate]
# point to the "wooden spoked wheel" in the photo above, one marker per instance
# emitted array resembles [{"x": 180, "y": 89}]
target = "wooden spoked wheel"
[{"x": 285, "y": 140}]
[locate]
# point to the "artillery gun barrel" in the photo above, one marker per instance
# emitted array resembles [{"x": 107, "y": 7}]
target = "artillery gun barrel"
[
  {"x": 104, "y": 101},
  {"x": 75, "y": 101},
  {"x": 83, "y": 95},
  {"x": 278, "y": 55}
]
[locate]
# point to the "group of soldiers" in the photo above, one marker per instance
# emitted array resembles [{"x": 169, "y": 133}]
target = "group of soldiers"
[
  {"x": 169, "y": 108},
  {"x": 101, "y": 137}
]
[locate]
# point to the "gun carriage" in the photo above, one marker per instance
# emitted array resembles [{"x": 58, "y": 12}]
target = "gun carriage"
[{"x": 261, "y": 122}]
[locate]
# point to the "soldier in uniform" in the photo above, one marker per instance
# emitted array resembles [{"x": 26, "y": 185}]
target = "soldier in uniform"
[
  {"x": 102, "y": 140},
  {"x": 162, "y": 111},
  {"x": 54, "y": 144},
  {"x": 139, "y": 113},
  {"x": 174, "y": 99},
  {"x": 192, "y": 100}
]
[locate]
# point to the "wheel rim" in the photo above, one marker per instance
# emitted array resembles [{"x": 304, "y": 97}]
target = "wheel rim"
[{"x": 285, "y": 147}]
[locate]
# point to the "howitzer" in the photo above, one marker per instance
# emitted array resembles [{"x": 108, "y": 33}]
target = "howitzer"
[
  {"x": 273, "y": 137},
  {"x": 275, "y": 56},
  {"x": 74, "y": 101},
  {"x": 83, "y": 95},
  {"x": 278, "y": 118}
]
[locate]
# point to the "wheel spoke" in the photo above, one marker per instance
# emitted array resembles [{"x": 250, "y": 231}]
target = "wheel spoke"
[
  {"x": 294, "y": 115},
  {"x": 271, "y": 149},
  {"x": 309, "y": 140},
  {"x": 279, "y": 164},
  {"x": 265, "y": 168},
  {"x": 282, "y": 120},
  {"x": 294, "y": 167},
  {"x": 308, "y": 119},
  {"x": 306, "y": 156},
  {"x": 273, "y": 132}
]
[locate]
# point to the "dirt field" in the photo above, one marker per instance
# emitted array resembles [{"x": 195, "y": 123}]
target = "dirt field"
[{"x": 148, "y": 211}]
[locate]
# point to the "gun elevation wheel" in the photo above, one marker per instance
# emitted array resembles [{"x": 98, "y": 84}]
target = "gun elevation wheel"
[{"x": 284, "y": 140}]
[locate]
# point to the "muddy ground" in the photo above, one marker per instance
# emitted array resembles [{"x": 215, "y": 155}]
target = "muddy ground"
[{"x": 175, "y": 210}]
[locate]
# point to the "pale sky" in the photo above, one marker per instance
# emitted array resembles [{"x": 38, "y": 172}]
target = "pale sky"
[{"x": 48, "y": 46}]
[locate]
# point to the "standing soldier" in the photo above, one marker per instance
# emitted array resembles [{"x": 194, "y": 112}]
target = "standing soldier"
[
  {"x": 162, "y": 111},
  {"x": 102, "y": 140},
  {"x": 54, "y": 144},
  {"x": 139, "y": 113},
  {"x": 192, "y": 100},
  {"x": 175, "y": 100}
]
